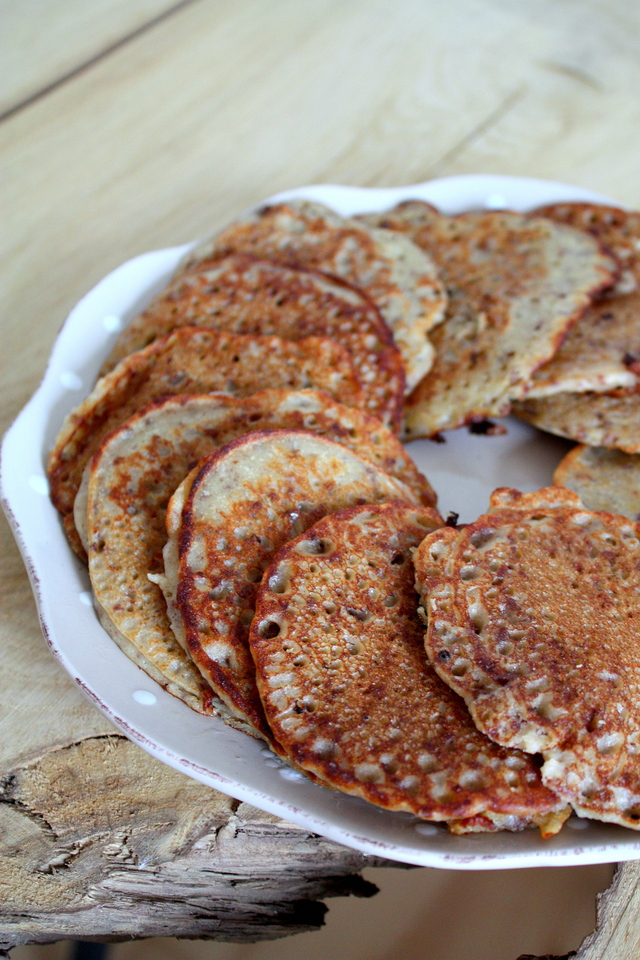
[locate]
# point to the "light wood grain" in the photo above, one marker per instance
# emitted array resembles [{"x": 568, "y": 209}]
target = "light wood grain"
[
  {"x": 45, "y": 41},
  {"x": 227, "y": 103},
  {"x": 224, "y": 103}
]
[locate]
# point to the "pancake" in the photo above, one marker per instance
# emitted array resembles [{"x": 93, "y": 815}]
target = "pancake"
[
  {"x": 601, "y": 349},
  {"x": 121, "y": 506},
  {"x": 347, "y": 689},
  {"x": 515, "y": 284},
  {"x": 398, "y": 277},
  {"x": 226, "y": 521},
  {"x": 246, "y": 295},
  {"x": 598, "y": 419},
  {"x": 604, "y": 479},
  {"x": 534, "y": 621},
  {"x": 190, "y": 360}
]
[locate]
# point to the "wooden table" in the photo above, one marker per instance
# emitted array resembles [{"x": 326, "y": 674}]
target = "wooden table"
[{"x": 132, "y": 125}]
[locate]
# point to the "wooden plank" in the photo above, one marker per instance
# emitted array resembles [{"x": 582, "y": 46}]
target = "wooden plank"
[
  {"x": 225, "y": 103},
  {"x": 575, "y": 114},
  {"x": 46, "y": 41}
]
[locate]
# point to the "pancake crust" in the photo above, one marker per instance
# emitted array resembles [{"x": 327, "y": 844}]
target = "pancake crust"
[
  {"x": 601, "y": 349},
  {"x": 535, "y": 621},
  {"x": 398, "y": 277},
  {"x": 515, "y": 284},
  {"x": 597, "y": 419},
  {"x": 347, "y": 689},
  {"x": 246, "y": 295},
  {"x": 226, "y": 521},
  {"x": 121, "y": 506},
  {"x": 190, "y": 360},
  {"x": 604, "y": 479}
]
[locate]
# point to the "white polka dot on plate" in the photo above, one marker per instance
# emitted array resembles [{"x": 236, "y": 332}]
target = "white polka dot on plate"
[
  {"x": 39, "y": 484},
  {"x": 145, "y": 697},
  {"x": 495, "y": 201},
  {"x": 112, "y": 323},
  {"x": 427, "y": 829},
  {"x": 85, "y": 597},
  {"x": 288, "y": 774},
  {"x": 70, "y": 380}
]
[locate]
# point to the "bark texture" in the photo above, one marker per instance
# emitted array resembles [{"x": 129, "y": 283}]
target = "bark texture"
[{"x": 100, "y": 841}]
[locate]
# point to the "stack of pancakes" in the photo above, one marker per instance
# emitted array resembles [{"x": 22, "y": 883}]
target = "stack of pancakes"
[{"x": 236, "y": 484}]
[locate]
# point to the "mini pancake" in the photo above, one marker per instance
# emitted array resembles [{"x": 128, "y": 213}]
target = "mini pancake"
[
  {"x": 602, "y": 348},
  {"x": 603, "y": 479},
  {"x": 246, "y": 295},
  {"x": 190, "y": 360},
  {"x": 348, "y": 691},
  {"x": 597, "y": 419},
  {"x": 121, "y": 505},
  {"x": 226, "y": 521},
  {"x": 391, "y": 271},
  {"x": 515, "y": 284},
  {"x": 534, "y": 620}
]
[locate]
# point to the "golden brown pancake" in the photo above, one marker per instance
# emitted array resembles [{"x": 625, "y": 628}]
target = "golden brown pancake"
[
  {"x": 244, "y": 294},
  {"x": 190, "y": 360},
  {"x": 348, "y": 691},
  {"x": 601, "y": 349},
  {"x": 398, "y": 277},
  {"x": 515, "y": 284},
  {"x": 534, "y": 620},
  {"x": 121, "y": 506},
  {"x": 604, "y": 479},
  {"x": 226, "y": 521},
  {"x": 598, "y": 419}
]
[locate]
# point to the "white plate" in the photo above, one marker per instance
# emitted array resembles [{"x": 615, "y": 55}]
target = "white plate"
[{"x": 464, "y": 471}]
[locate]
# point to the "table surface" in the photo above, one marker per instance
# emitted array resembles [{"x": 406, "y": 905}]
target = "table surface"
[{"x": 127, "y": 125}]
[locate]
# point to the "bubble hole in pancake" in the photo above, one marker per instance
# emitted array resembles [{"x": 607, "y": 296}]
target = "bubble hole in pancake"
[
  {"x": 347, "y": 688},
  {"x": 534, "y": 620},
  {"x": 244, "y": 294},
  {"x": 121, "y": 505},
  {"x": 227, "y": 519},
  {"x": 190, "y": 360},
  {"x": 396, "y": 275}
]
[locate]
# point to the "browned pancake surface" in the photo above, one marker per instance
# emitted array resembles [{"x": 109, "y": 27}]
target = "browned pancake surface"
[
  {"x": 534, "y": 620},
  {"x": 347, "y": 688},
  {"x": 191, "y": 360},
  {"x": 604, "y": 479},
  {"x": 515, "y": 284},
  {"x": 225, "y": 523},
  {"x": 598, "y": 419},
  {"x": 121, "y": 514},
  {"x": 247, "y": 295},
  {"x": 601, "y": 350},
  {"x": 398, "y": 277}
]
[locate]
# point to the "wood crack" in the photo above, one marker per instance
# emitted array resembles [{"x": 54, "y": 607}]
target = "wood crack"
[
  {"x": 203, "y": 865},
  {"x": 92, "y": 61}
]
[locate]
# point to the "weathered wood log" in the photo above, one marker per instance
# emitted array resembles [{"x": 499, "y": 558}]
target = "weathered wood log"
[
  {"x": 617, "y": 934},
  {"x": 99, "y": 840}
]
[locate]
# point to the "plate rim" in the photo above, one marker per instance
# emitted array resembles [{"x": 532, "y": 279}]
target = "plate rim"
[{"x": 494, "y": 191}]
